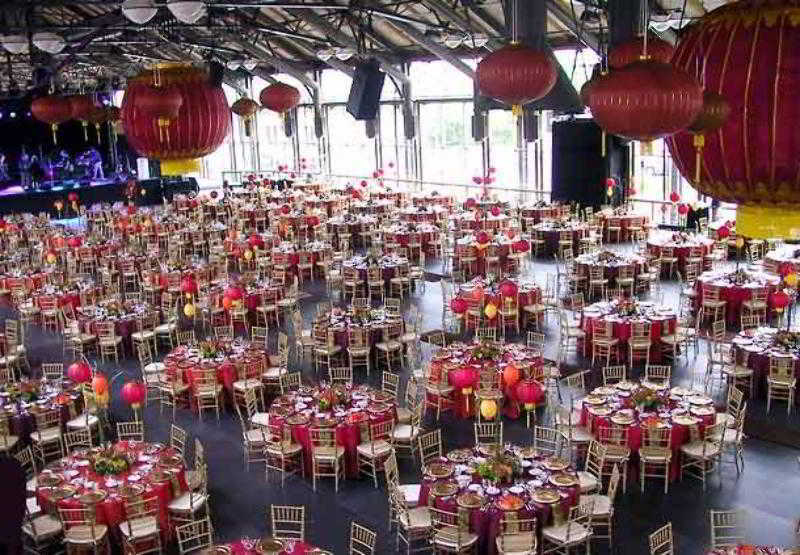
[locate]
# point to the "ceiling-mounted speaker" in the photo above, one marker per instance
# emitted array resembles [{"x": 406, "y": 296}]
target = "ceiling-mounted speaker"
[
  {"x": 216, "y": 73},
  {"x": 365, "y": 92}
]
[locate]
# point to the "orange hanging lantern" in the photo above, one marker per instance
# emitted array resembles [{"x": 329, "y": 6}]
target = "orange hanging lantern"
[
  {"x": 54, "y": 110},
  {"x": 200, "y": 125},
  {"x": 516, "y": 75},
  {"x": 246, "y": 108},
  {"x": 748, "y": 52}
]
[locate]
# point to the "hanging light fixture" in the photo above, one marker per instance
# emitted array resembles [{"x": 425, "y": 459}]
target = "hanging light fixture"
[
  {"x": 345, "y": 53},
  {"x": 453, "y": 40},
  {"x": 49, "y": 42},
  {"x": 326, "y": 54},
  {"x": 187, "y": 11},
  {"x": 250, "y": 65},
  {"x": 478, "y": 40},
  {"x": 139, "y": 11},
  {"x": 15, "y": 44},
  {"x": 233, "y": 65}
]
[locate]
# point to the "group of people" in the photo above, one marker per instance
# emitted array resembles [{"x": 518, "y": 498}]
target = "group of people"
[{"x": 35, "y": 170}]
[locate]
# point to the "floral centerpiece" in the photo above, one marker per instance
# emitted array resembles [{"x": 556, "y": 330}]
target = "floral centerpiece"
[
  {"x": 645, "y": 399},
  {"x": 111, "y": 461},
  {"x": 26, "y": 392},
  {"x": 486, "y": 350},
  {"x": 332, "y": 397},
  {"x": 681, "y": 238},
  {"x": 211, "y": 348},
  {"x": 739, "y": 277},
  {"x": 789, "y": 340},
  {"x": 500, "y": 468},
  {"x": 628, "y": 307},
  {"x": 607, "y": 256}
]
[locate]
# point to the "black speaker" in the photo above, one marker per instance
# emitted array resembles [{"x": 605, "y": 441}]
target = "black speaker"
[
  {"x": 365, "y": 92},
  {"x": 216, "y": 72}
]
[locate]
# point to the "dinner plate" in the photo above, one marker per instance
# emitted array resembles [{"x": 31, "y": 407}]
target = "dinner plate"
[
  {"x": 599, "y": 411},
  {"x": 700, "y": 400},
  {"x": 555, "y": 464},
  {"x": 546, "y": 496},
  {"x": 684, "y": 420},
  {"x": 444, "y": 489},
  {"x": 562, "y": 480},
  {"x": 469, "y": 500},
  {"x": 92, "y": 497},
  {"x": 510, "y": 502},
  {"x": 439, "y": 470}
]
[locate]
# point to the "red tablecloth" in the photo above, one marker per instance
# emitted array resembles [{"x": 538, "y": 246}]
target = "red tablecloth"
[
  {"x": 300, "y": 548},
  {"x": 552, "y": 237},
  {"x": 622, "y": 330},
  {"x": 759, "y": 363},
  {"x": 734, "y": 295},
  {"x": 625, "y": 221},
  {"x": 111, "y": 511},
  {"x": 681, "y": 252},
  {"x": 179, "y": 361}
]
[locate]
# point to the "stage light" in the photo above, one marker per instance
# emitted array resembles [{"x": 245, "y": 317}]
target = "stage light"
[
  {"x": 325, "y": 54},
  {"x": 49, "y": 42},
  {"x": 453, "y": 40},
  {"x": 13, "y": 115},
  {"x": 250, "y": 65},
  {"x": 15, "y": 44},
  {"x": 233, "y": 65},
  {"x": 479, "y": 40},
  {"x": 345, "y": 53},
  {"x": 139, "y": 11},
  {"x": 187, "y": 11}
]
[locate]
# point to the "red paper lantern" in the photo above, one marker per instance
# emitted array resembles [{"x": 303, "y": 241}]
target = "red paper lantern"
[
  {"x": 177, "y": 143},
  {"x": 234, "y": 293},
  {"x": 724, "y": 232},
  {"x": 54, "y": 110},
  {"x": 529, "y": 393},
  {"x": 632, "y": 50},
  {"x": 610, "y": 182},
  {"x": 227, "y": 302},
  {"x": 464, "y": 378},
  {"x": 363, "y": 182},
  {"x": 255, "y": 241},
  {"x": 483, "y": 238},
  {"x": 645, "y": 100},
  {"x": 160, "y": 102},
  {"x": 375, "y": 175},
  {"x": 477, "y": 180},
  {"x": 285, "y": 209},
  {"x": 74, "y": 242},
  {"x": 632, "y": 191},
  {"x": 313, "y": 221},
  {"x": 79, "y": 372},
  {"x": 99, "y": 384},
  {"x": 471, "y": 203},
  {"x": 189, "y": 285},
  {"x": 245, "y": 108},
  {"x": 510, "y": 375},
  {"x": 496, "y": 210},
  {"x": 674, "y": 197},
  {"x": 522, "y": 246},
  {"x": 779, "y": 300},
  {"x": 683, "y": 209},
  {"x": 748, "y": 52},
  {"x": 279, "y": 97},
  {"x": 509, "y": 289},
  {"x": 510, "y": 233},
  {"x": 134, "y": 393},
  {"x": 458, "y": 305},
  {"x": 516, "y": 75}
]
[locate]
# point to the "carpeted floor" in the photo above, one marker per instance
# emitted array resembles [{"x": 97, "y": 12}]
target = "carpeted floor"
[{"x": 767, "y": 489}]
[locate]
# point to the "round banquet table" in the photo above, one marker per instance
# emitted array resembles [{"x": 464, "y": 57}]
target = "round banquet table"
[
  {"x": 388, "y": 264},
  {"x": 371, "y": 207},
  {"x": 486, "y": 515},
  {"x": 610, "y": 263},
  {"x": 64, "y": 296},
  {"x": 328, "y": 205},
  {"x": 545, "y": 212},
  {"x": 30, "y": 281},
  {"x": 551, "y": 233},
  {"x": 476, "y": 289},
  {"x": 246, "y": 546},
  {"x": 394, "y": 196},
  {"x": 431, "y": 200},
  {"x": 299, "y": 411},
  {"x": 314, "y": 248},
  {"x": 502, "y": 245},
  {"x": 353, "y": 225},
  {"x": 783, "y": 260},
  {"x": 161, "y": 474},
  {"x": 22, "y": 415},
  {"x": 682, "y": 410},
  {"x": 339, "y": 321},
  {"x": 681, "y": 246},
  {"x": 624, "y": 221},
  {"x": 735, "y": 293},
  {"x": 622, "y": 326},
  {"x": 423, "y": 214},
  {"x": 186, "y": 361},
  {"x": 756, "y": 346},
  {"x": 423, "y": 233},
  {"x": 457, "y": 355},
  {"x": 753, "y": 550},
  {"x": 487, "y": 221}
]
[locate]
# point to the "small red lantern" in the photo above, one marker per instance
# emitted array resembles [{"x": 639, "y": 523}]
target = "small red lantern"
[
  {"x": 458, "y": 305},
  {"x": 134, "y": 393},
  {"x": 464, "y": 378},
  {"x": 99, "y": 384},
  {"x": 74, "y": 242},
  {"x": 610, "y": 182},
  {"x": 683, "y": 209},
  {"x": 79, "y": 372},
  {"x": 522, "y": 246},
  {"x": 510, "y": 233},
  {"x": 633, "y": 50},
  {"x": 508, "y": 289},
  {"x": 375, "y": 175},
  {"x": 285, "y": 209},
  {"x": 72, "y": 197},
  {"x": 496, "y": 210},
  {"x": 279, "y": 97},
  {"x": 255, "y": 241},
  {"x": 779, "y": 300},
  {"x": 477, "y": 180},
  {"x": 189, "y": 285},
  {"x": 529, "y": 392},
  {"x": 483, "y": 238},
  {"x": 234, "y": 293},
  {"x": 471, "y": 203},
  {"x": 674, "y": 197},
  {"x": 53, "y": 110},
  {"x": 313, "y": 221},
  {"x": 724, "y": 232}
]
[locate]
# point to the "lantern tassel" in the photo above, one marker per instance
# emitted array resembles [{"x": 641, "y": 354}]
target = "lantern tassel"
[
  {"x": 85, "y": 126},
  {"x": 516, "y": 109},
  {"x": 54, "y": 128},
  {"x": 603, "y": 144},
  {"x": 97, "y": 131},
  {"x": 247, "y": 127},
  {"x": 699, "y": 143}
]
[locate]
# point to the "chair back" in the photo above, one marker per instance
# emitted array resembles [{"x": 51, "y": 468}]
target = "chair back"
[
  {"x": 614, "y": 374},
  {"x": 430, "y": 446},
  {"x": 727, "y": 528},
  {"x": 288, "y": 521},
  {"x": 661, "y": 541},
  {"x": 488, "y": 433},
  {"x": 194, "y": 536},
  {"x": 130, "y": 431},
  {"x": 362, "y": 540},
  {"x": 546, "y": 441}
]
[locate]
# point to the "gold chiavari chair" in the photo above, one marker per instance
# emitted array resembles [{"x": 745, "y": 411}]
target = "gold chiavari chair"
[
  {"x": 655, "y": 455},
  {"x": 660, "y": 541},
  {"x": 282, "y": 454},
  {"x": 547, "y": 441},
  {"x": 177, "y": 439},
  {"x": 373, "y": 453},
  {"x": 559, "y": 538},
  {"x": 46, "y": 439},
  {"x": 517, "y": 536},
  {"x": 288, "y": 522},
  {"x": 362, "y": 540},
  {"x": 700, "y": 457},
  {"x": 430, "y": 447},
  {"x": 781, "y": 381},
  {"x": 488, "y": 434},
  {"x": 450, "y": 534},
  {"x": 206, "y": 390},
  {"x": 189, "y": 505},
  {"x": 130, "y": 431},
  {"x": 603, "y": 512},
  {"x": 41, "y": 532},
  {"x": 79, "y": 439},
  {"x": 727, "y": 528},
  {"x": 327, "y": 457},
  {"x": 195, "y": 537},
  {"x": 81, "y": 529},
  {"x": 140, "y": 531}
]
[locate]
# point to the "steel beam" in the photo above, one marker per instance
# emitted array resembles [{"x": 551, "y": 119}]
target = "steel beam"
[{"x": 434, "y": 48}]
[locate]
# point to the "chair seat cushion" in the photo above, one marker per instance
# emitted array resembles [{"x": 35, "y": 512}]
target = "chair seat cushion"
[
  {"x": 328, "y": 452},
  {"x": 655, "y": 454},
  {"x": 285, "y": 447},
  {"x": 695, "y": 449},
  {"x": 411, "y": 493},
  {"x": 327, "y": 349},
  {"x": 439, "y": 388},
  {"x": 378, "y": 448},
  {"x": 83, "y": 534},
  {"x": 275, "y": 372},
  {"x": 388, "y": 346},
  {"x": 46, "y": 526},
  {"x": 260, "y": 419},
  {"x": 588, "y": 481},
  {"x": 416, "y": 518},
  {"x": 185, "y": 503},
  {"x": 166, "y": 328},
  {"x": 516, "y": 544},
  {"x": 154, "y": 368},
  {"x": 450, "y": 539},
  {"x": 80, "y": 422},
  {"x": 143, "y": 335},
  {"x": 246, "y": 384},
  {"x": 8, "y": 443},
  {"x": 558, "y": 534},
  {"x": 405, "y": 433},
  {"x": 139, "y": 527}
]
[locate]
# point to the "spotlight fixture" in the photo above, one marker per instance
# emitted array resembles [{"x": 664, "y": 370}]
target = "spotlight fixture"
[
  {"x": 478, "y": 40},
  {"x": 233, "y": 65},
  {"x": 250, "y": 65},
  {"x": 49, "y": 42},
  {"x": 15, "y": 44},
  {"x": 344, "y": 53},
  {"x": 187, "y": 11},
  {"x": 453, "y": 40},
  {"x": 139, "y": 11},
  {"x": 325, "y": 54}
]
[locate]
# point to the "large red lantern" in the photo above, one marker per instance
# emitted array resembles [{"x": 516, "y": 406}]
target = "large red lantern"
[
  {"x": 464, "y": 379},
  {"x": 645, "y": 100},
  {"x": 279, "y": 97},
  {"x": 134, "y": 393},
  {"x": 633, "y": 50},
  {"x": 246, "y": 109},
  {"x": 53, "y": 110},
  {"x": 79, "y": 372},
  {"x": 199, "y": 128},
  {"x": 508, "y": 288},
  {"x": 458, "y": 305},
  {"x": 516, "y": 75},
  {"x": 748, "y": 52},
  {"x": 779, "y": 300},
  {"x": 189, "y": 285}
]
